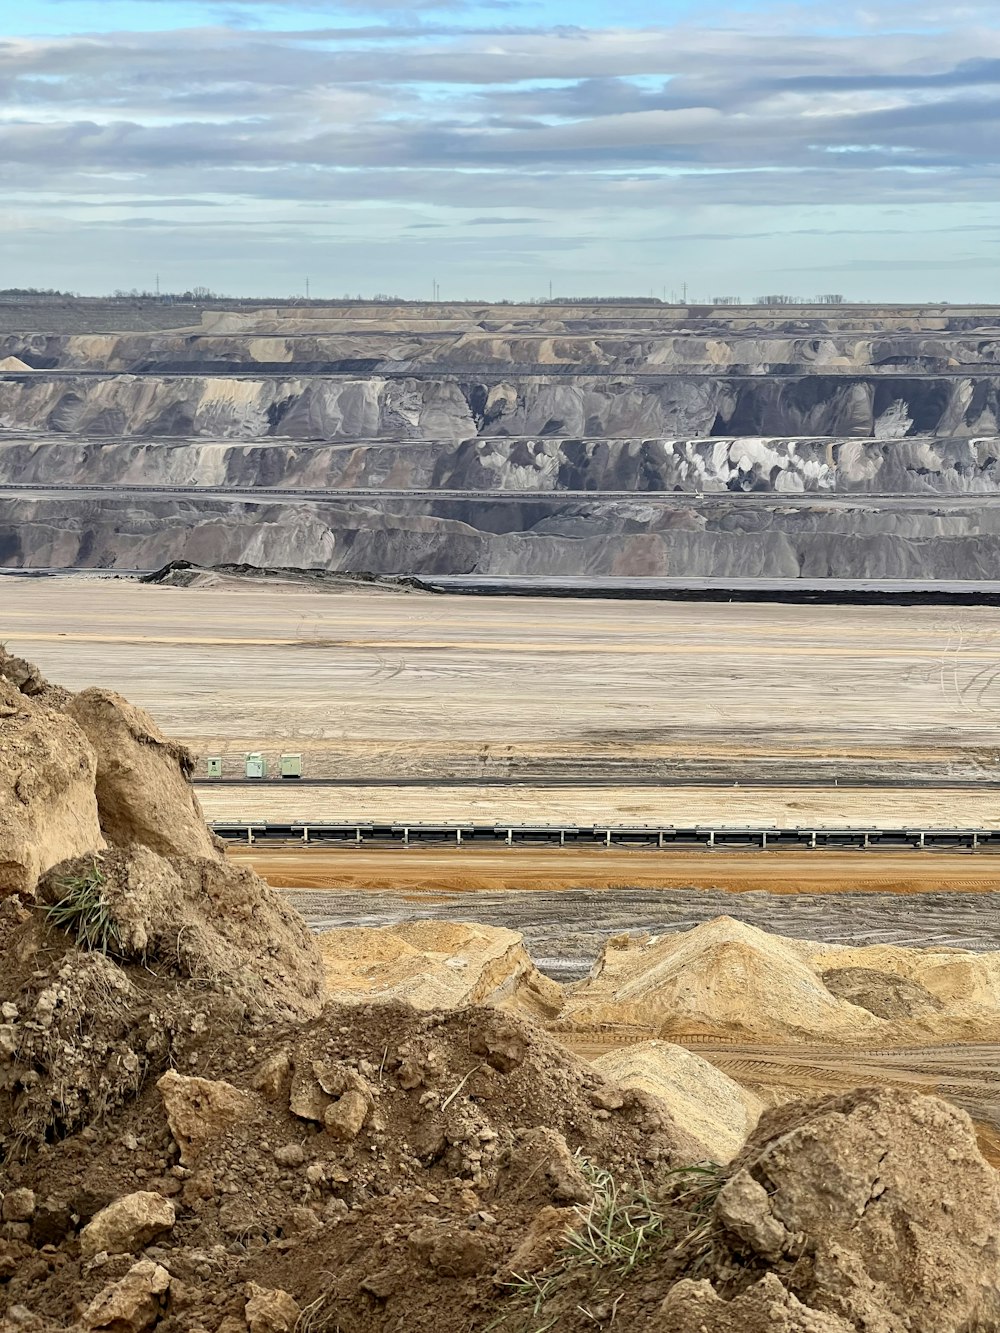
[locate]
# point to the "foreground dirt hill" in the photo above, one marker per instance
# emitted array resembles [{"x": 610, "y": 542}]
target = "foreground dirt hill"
[{"x": 117, "y": 958}]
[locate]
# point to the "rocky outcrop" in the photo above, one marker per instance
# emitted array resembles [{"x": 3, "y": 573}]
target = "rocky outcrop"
[
  {"x": 874, "y": 1209},
  {"x": 48, "y": 810},
  {"x": 144, "y": 792}
]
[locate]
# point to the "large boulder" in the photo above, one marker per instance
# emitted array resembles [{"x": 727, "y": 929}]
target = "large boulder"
[
  {"x": 144, "y": 793},
  {"x": 127, "y": 1225},
  {"x": 875, "y": 1208},
  {"x": 48, "y": 810}
]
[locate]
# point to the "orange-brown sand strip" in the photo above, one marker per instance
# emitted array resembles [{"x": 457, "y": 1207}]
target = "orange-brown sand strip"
[{"x": 451, "y": 869}]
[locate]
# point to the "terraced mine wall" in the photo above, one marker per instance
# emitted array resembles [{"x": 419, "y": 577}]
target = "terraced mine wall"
[
  {"x": 591, "y": 441},
  {"x": 438, "y": 407},
  {"x": 505, "y": 466},
  {"x": 443, "y": 536}
]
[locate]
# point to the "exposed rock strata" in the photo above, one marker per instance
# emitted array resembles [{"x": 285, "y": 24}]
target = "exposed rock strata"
[
  {"x": 377, "y": 406},
  {"x": 637, "y": 398},
  {"x": 543, "y": 466},
  {"x": 873, "y": 540}
]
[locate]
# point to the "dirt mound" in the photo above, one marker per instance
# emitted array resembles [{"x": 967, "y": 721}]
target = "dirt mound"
[
  {"x": 173, "y": 953},
  {"x": 310, "y": 1159},
  {"x": 128, "y": 958},
  {"x": 437, "y": 965},
  {"x": 709, "y": 1105},
  {"x": 730, "y": 980}
]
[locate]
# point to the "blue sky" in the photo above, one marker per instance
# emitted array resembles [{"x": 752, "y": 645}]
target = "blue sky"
[{"x": 604, "y": 148}]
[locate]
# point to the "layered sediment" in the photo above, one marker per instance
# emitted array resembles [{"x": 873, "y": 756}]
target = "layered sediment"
[{"x": 848, "y": 442}]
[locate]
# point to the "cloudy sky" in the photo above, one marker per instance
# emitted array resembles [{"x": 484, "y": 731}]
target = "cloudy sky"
[{"x": 605, "y": 146}]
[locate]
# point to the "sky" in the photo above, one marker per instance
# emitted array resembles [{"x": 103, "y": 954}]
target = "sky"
[{"x": 504, "y": 149}]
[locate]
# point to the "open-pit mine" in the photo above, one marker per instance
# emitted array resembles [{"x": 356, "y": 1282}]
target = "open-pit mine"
[
  {"x": 563, "y": 440},
  {"x": 515, "y": 843}
]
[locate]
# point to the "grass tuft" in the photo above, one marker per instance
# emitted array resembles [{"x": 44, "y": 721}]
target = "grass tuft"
[
  {"x": 83, "y": 911},
  {"x": 620, "y": 1229}
]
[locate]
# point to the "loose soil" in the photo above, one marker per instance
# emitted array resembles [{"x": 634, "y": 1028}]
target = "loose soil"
[{"x": 427, "y": 871}]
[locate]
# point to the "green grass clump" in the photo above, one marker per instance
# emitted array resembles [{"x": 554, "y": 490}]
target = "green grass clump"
[
  {"x": 620, "y": 1229},
  {"x": 83, "y": 911}
]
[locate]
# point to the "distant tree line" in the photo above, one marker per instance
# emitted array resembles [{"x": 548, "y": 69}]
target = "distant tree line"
[
  {"x": 34, "y": 291},
  {"x": 832, "y": 298}
]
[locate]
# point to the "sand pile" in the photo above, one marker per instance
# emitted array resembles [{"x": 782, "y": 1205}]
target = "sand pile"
[
  {"x": 730, "y": 980},
  {"x": 12, "y": 364},
  {"x": 705, "y": 1102},
  {"x": 437, "y": 965}
]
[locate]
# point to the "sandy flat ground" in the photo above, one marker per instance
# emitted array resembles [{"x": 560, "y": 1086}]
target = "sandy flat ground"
[
  {"x": 369, "y": 683},
  {"x": 768, "y": 807},
  {"x": 427, "y": 871}
]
